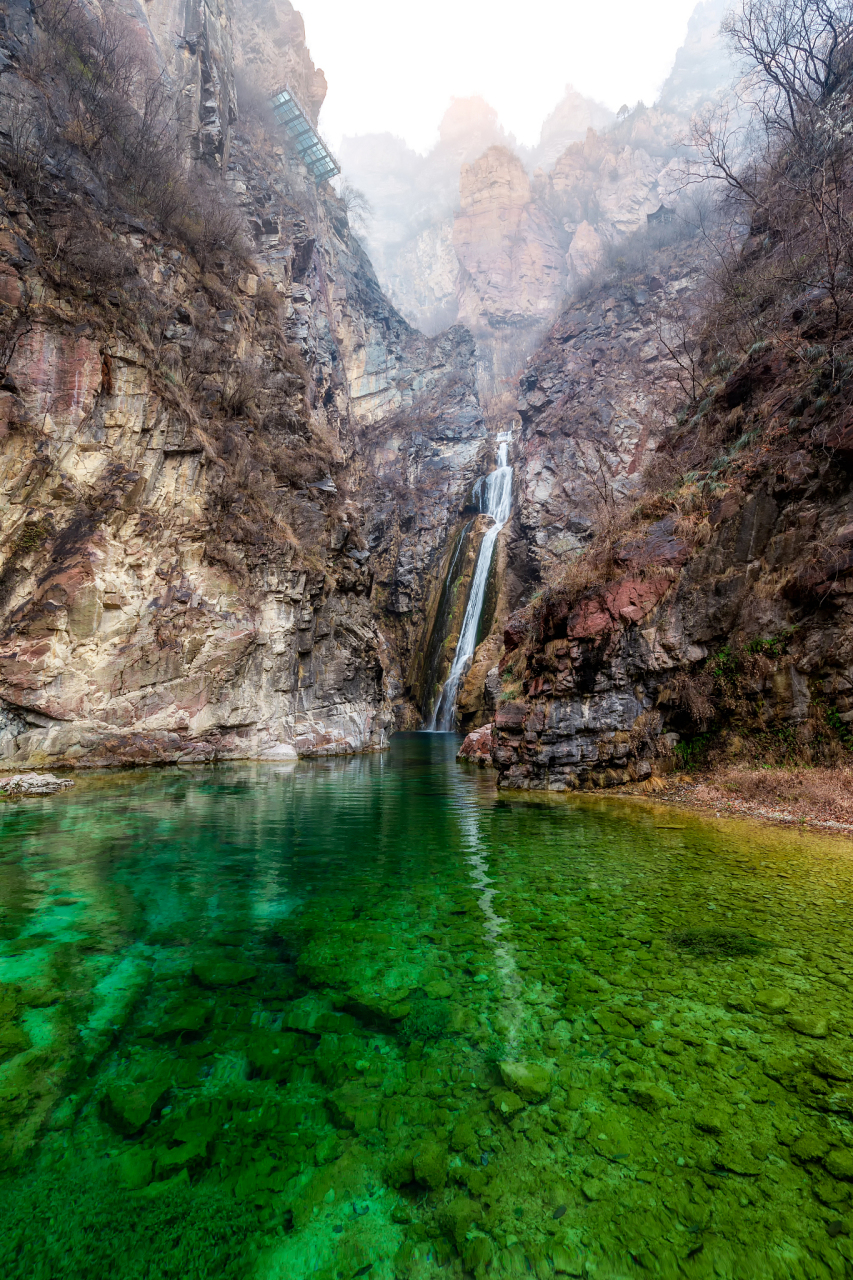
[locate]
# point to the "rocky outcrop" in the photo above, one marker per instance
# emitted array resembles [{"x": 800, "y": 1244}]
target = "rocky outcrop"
[{"x": 594, "y": 400}]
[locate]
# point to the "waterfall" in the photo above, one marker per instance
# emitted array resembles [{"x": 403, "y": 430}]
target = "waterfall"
[{"x": 493, "y": 494}]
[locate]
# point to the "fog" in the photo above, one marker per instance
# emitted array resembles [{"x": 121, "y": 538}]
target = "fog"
[{"x": 395, "y": 67}]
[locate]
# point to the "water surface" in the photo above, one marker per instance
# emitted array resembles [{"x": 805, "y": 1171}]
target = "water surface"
[{"x": 366, "y": 1017}]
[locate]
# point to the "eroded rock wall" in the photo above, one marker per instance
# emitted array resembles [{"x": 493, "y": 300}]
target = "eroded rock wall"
[
  {"x": 214, "y": 477},
  {"x": 740, "y": 624}
]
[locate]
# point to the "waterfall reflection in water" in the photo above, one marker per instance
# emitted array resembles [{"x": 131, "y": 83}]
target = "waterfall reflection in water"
[{"x": 494, "y": 493}]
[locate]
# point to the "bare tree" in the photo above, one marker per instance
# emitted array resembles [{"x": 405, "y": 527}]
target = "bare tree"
[{"x": 784, "y": 150}]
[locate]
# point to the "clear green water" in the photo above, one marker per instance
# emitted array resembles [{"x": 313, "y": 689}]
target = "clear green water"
[{"x": 366, "y": 1017}]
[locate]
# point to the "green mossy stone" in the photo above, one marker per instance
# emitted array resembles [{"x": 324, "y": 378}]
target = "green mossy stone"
[
  {"x": 478, "y": 1253},
  {"x": 439, "y": 990},
  {"x": 712, "y": 1120},
  {"x": 128, "y": 1105},
  {"x": 135, "y": 1168},
  {"x": 824, "y": 1065},
  {"x": 400, "y": 1169},
  {"x": 189, "y": 1016},
  {"x": 773, "y": 999},
  {"x": 810, "y": 1024},
  {"x": 507, "y": 1104},
  {"x": 429, "y": 1163},
  {"x": 568, "y": 1261},
  {"x": 840, "y": 1163},
  {"x": 354, "y": 1107},
  {"x": 637, "y": 1016},
  {"x": 13, "y": 1040},
  {"x": 464, "y": 1135},
  {"x": 458, "y": 1217},
  {"x": 648, "y": 1095},
  {"x": 809, "y": 1147},
  {"x": 528, "y": 1079},
  {"x": 216, "y": 973},
  {"x": 735, "y": 1159},
  {"x": 271, "y": 1053}
]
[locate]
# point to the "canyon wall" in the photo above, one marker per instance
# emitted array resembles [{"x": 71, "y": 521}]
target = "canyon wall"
[{"x": 220, "y": 463}]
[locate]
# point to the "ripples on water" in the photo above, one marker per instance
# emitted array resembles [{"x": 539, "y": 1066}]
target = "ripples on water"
[{"x": 366, "y": 1018}]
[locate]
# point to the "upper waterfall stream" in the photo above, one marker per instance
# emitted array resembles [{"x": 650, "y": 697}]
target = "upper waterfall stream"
[{"x": 494, "y": 495}]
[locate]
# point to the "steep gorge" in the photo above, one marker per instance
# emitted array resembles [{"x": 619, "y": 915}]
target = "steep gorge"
[{"x": 239, "y": 507}]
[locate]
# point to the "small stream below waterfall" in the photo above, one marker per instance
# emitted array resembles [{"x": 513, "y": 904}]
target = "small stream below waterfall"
[{"x": 493, "y": 494}]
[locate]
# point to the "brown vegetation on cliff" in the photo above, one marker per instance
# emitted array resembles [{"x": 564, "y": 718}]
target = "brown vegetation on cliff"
[{"x": 718, "y": 604}]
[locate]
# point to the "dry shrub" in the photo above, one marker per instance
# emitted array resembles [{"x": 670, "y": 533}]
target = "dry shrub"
[
  {"x": 824, "y": 792},
  {"x": 99, "y": 261},
  {"x": 209, "y": 223},
  {"x": 693, "y": 693}
]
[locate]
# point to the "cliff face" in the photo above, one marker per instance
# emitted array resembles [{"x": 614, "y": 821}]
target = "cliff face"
[
  {"x": 711, "y": 620},
  {"x": 193, "y": 427}
]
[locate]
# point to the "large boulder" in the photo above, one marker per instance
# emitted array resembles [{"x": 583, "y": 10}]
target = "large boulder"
[
  {"x": 477, "y": 747},
  {"x": 34, "y": 784}
]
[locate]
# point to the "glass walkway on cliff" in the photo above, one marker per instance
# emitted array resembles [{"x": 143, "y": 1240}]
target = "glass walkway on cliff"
[{"x": 310, "y": 147}]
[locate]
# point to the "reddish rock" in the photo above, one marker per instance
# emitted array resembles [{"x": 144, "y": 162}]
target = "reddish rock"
[
  {"x": 510, "y": 715},
  {"x": 618, "y": 603},
  {"x": 11, "y": 292},
  {"x": 515, "y": 629},
  {"x": 477, "y": 747},
  {"x": 56, "y": 372}
]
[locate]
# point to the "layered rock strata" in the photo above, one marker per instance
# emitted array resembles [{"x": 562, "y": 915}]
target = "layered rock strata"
[{"x": 216, "y": 468}]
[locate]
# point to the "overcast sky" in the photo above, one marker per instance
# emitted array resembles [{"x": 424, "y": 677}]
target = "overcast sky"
[{"x": 394, "y": 65}]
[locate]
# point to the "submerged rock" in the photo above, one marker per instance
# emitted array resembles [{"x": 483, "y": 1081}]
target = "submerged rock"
[
  {"x": 223, "y": 973},
  {"x": 810, "y": 1024},
  {"x": 531, "y": 1081},
  {"x": 128, "y": 1105}
]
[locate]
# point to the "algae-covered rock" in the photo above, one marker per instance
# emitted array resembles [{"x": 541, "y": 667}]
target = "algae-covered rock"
[
  {"x": 810, "y": 1146},
  {"x": 172, "y": 1159},
  {"x": 712, "y": 1120},
  {"x": 477, "y": 1253},
  {"x": 13, "y": 1040},
  {"x": 507, "y": 1103},
  {"x": 528, "y": 1079},
  {"x": 271, "y": 1053},
  {"x": 135, "y": 1168},
  {"x": 824, "y": 1065},
  {"x": 400, "y": 1169},
  {"x": 463, "y": 1136},
  {"x": 840, "y": 1163},
  {"x": 355, "y": 1107},
  {"x": 439, "y": 990},
  {"x": 568, "y": 1261},
  {"x": 810, "y": 1024},
  {"x": 181, "y": 1017},
  {"x": 648, "y": 1095},
  {"x": 732, "y": 1157},
  {"x": 128, "y": 1105},
  {"x": 429, "y": 1163},
  {"x": 773, "y": 999},
  {"x": 216, "y": 972},
  {"x": 458, "y": 1217}
]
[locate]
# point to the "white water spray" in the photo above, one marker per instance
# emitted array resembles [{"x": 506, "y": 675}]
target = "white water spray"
[{"x": 494, "y": 494}]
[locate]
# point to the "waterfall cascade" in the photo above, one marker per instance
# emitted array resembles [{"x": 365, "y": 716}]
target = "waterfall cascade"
[{"x": 493, "y": 494}]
